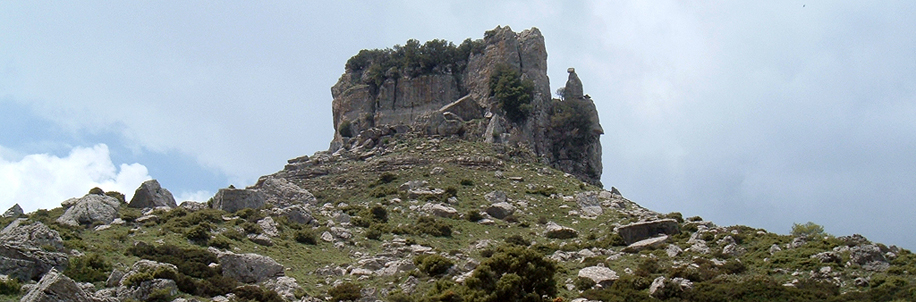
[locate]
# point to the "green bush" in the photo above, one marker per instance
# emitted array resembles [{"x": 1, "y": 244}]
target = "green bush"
[
  {"x": 513, "y": 274},
  {"x": 249, "y": 214},
  {"x": 583, "y": 283},
  {"x": 467, "y": 182},
  {"x": 10, "y": 287},
  {"x": 160, "y": 295},
  {"x": 628, "y": 288},
  {"x": 97, "y": 191},
  {"x": 129, "y": 214},
  {"x": 116, "y": 195},
  {"x": 220, "y": 242},
  {"x": 306, "y": 236},
  {"x": 374, "y": 232},
  {"x": 199, "y": 233},
  {"x": 434, "y": 227},
  {"x": 809, "y": 230},
  {"x": 517, "y": 240},
  {"x": 91, "y": 267},
  {"x": 345, "y": 129},
  {"x": 345, "y": 292},
  {"x": 512, "y": 94},
  {"x": 386, "y": 178},
  {"x": 433, "y": 265},
  {"x": 379, "y": 213},
  {"x": 474, "y": 216},
  {"x": 255, "y": 293},
  {"x": 646, "y": 267}
]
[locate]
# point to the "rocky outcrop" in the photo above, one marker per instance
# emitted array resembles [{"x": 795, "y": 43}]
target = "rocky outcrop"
[
  {"x": 55, "y": 287},
  {"x": 29, "y": 251},
  {"x": 249, "y": 268},
  {"x": 282, "y": 193},
  {"x": 643, "y": 230},
  {"x": 231, "y": 200},
  {"x": 90, "y": 209},
  {"x": 151, "y": 195},
  {"x": 373, "y": 97},
  {"x": 13, "y": 212}
]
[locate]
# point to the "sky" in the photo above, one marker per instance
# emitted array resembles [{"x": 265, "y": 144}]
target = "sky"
[{"x": 763, "y": 113}]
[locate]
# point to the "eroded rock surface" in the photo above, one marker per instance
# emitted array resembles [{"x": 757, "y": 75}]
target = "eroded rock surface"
[{"x": 151, "y": 195}]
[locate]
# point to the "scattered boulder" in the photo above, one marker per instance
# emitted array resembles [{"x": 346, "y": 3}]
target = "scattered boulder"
[
  {"x": 589, "y": 205},
  {"x": 655, "y": 242},
  {"x": 55, "y": 287},
  {"x": 286, "y": 287},
  {"x": 151, "y": 195},
  {"x": 261, "y": 239},
  {"x": 441, "y": 210},
  {"x": 557, "y": 231},
  {"x": 91, "y": 209},
  {"x": 673, "y": 250},
  {"x": 500, "y": 210},
  {"x": 13, "y": 212},
  {"x": 282, "y": 193},
  {"x": 642, "y": 230},
  {"x": 496, "y": 197},
  {"x": 602, "y": 276},
  {"x": 232, "y": 200},
  {"x": 269, "y": 226},
  {"x": 298, "y": 214},
  {"x": 249, "y": 268}
]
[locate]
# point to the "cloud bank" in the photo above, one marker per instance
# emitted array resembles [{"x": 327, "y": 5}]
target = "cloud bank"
[{"x": 42, "y": 181}]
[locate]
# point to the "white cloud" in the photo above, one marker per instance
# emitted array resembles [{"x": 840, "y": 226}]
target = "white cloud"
[
  {"x": 200, "y": 196},
  {"x": 42, "y": 181}
]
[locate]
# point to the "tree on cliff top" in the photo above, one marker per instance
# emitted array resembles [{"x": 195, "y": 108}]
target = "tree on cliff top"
[{"x": 413, "y": 59}]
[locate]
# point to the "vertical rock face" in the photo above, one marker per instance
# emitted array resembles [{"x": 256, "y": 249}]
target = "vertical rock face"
[{"x": 442, "y": 100}]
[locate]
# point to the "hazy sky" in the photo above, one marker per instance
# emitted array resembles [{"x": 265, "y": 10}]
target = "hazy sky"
[{"x": 759, "y": 113}]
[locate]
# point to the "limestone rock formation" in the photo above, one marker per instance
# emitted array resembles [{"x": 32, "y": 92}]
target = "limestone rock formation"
[
  {"x": 151, "y": 195},
  {"x": 29, "y": 251},
  {"x": 249, "y": 268},
  {"x": 55, "y": 287},
  {"x": 91, "y": 208},
  {"x": 13, "y": 212},
  {"x": 231, "y": 200},
  {"x": 601, "y": 275},
  {"x": 375, "y": 95},
  {"x": 643, "y": 230},
  {"x": 282, "y": 193}
]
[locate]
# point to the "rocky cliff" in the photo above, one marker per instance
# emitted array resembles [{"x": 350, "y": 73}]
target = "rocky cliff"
[{"x": 438, "y": 89}]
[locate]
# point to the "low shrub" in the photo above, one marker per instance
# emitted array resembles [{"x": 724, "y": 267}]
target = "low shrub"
[
  {"x": 306, "y": 236},
  {"x": 10, "y": 287},
  {"x": 379, "y": 213},
  {"x": 160, "y": 295},
  {"x": 220, "y": 242},
  {"x": 199, "y": 233},
  {"x": 345, "y": 292},
  {"x": 129, "y": 214},
  {"x": 466, "y": 182},
  {"x": 91, "y": 267},
  {"x": 583, "y": 283},
  {"x": 433, "y": 265},
  {"x": 116, "y": 195},
  {"x": 255, "y": 293},
  {"x": 517, "y": 240},
  {"x": 474, "y": 216},
  {"x": 97, "y": 191},
  {"x": 513, "y": 274},
  {"x": 375, "y": 232}
]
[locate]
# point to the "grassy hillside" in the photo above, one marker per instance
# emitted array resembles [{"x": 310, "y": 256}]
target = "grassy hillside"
[{"x": 466, "y": 256}]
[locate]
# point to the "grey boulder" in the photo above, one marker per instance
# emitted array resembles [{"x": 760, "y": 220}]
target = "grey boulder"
[
  {"x": 151, "y": 195},
  {"x": 23, "y": 253},
  {"x": 231, "y": 200},
  {"x": 249, "y": 268},
  {"x": 90, "y": 209},
  {"x": 13, "y": 212},
  {"x": 643, "y": 230},
  {"x": 55, "y": 287},
  {"x": 602, "y": 276}
]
